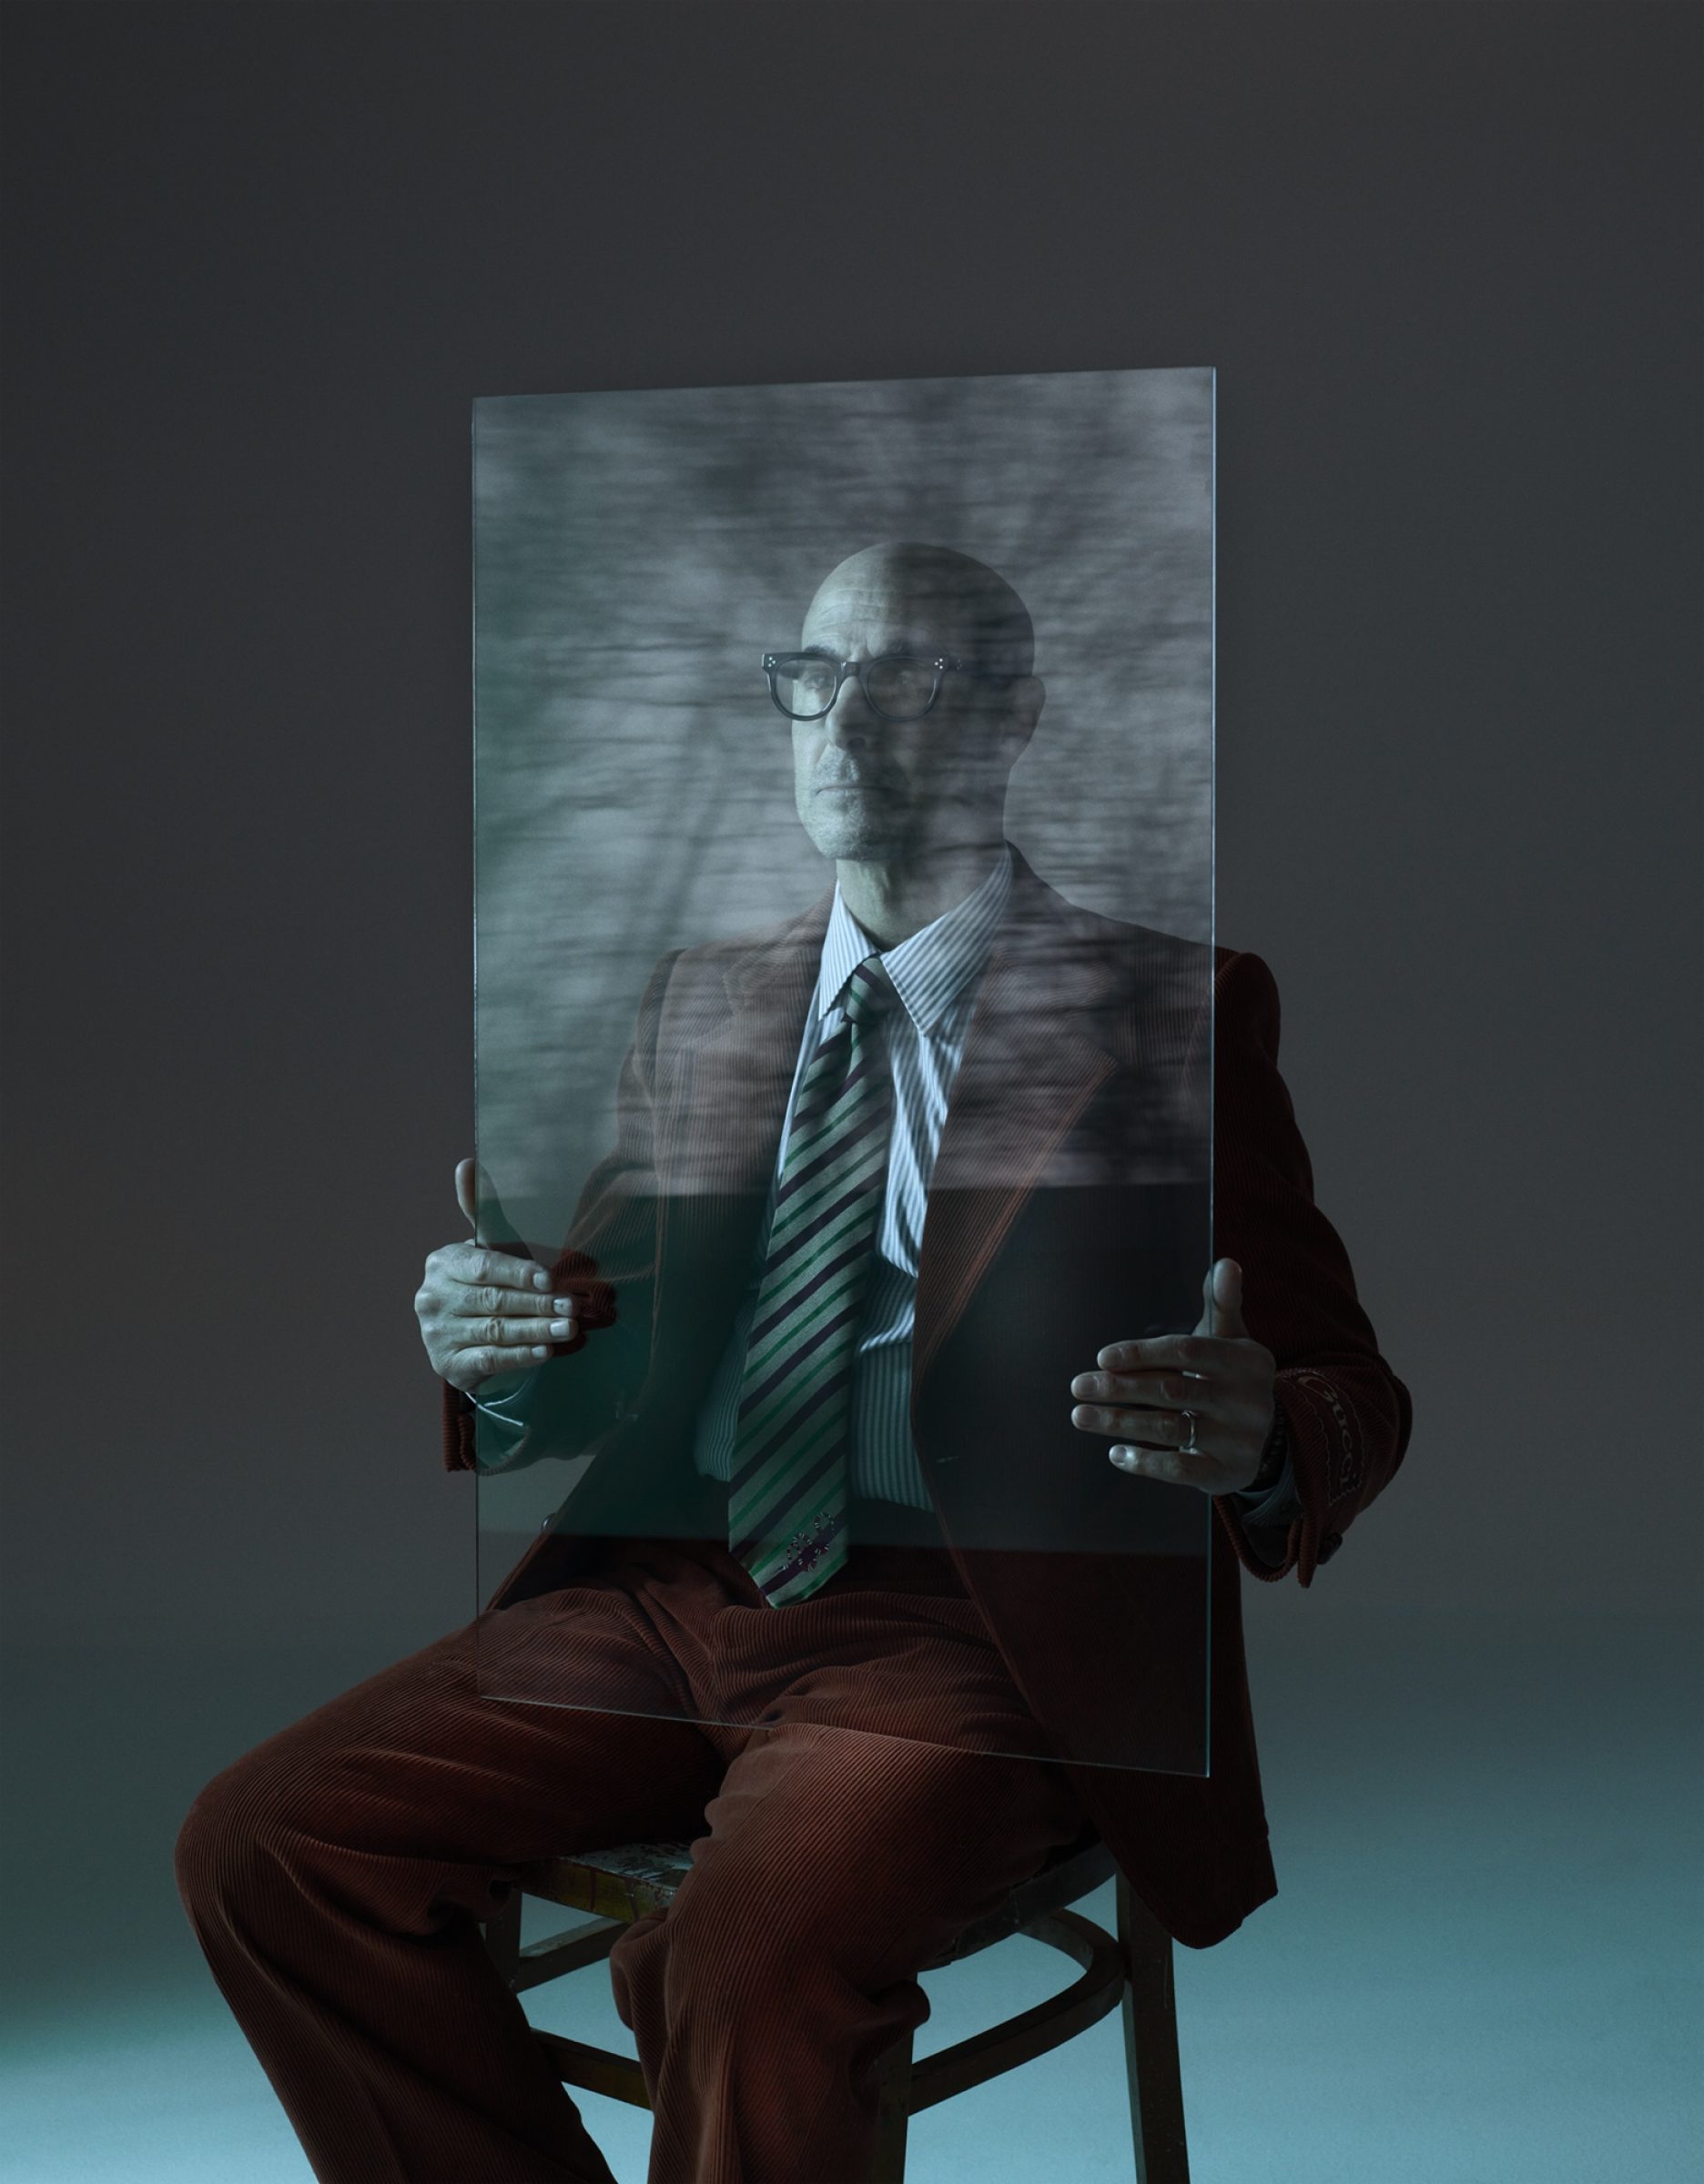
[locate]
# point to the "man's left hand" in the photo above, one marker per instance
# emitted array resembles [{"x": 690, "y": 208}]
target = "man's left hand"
[{"x": 1191, "y": 1410}]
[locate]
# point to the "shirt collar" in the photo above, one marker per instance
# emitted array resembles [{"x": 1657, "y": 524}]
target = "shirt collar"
[{"x": 930, "y": 969}]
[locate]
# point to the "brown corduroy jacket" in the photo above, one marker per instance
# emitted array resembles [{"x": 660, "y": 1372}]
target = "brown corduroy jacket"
[{"x": 1069, "y": 1208}]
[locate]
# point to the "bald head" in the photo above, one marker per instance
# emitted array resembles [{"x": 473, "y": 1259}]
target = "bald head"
[
  {"x": 918, "y": 803},
  {"x": 945, "y": 598}
]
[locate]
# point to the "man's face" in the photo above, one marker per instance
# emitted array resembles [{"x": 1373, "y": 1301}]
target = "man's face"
[{"x": 876, "y": 790}]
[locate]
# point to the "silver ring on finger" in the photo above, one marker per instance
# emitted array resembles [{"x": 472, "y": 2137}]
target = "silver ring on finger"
[{"x": 1188, "y": 1445}]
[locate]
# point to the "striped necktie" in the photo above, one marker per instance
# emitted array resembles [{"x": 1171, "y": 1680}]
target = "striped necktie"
[{"x": 788, "y": 1486}]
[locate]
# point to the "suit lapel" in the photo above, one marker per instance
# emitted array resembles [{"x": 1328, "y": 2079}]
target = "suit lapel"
[
  {"x": 733, "y": 1058},
  {"x": 1042, "y": 1041},
  {"x": 726, "y": 1049}
]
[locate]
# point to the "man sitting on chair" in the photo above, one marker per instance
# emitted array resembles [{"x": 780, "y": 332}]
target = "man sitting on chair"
[{"x": 783, "y": 1615}]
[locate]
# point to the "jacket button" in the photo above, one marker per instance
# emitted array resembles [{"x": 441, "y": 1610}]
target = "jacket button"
[{"x": 1329, "y": 1545}]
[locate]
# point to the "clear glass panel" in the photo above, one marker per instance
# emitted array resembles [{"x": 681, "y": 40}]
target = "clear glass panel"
[{"x": 835, "y": 1263}]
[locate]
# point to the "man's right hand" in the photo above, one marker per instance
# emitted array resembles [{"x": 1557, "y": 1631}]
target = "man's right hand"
[{"x": 483, "y": 1312}]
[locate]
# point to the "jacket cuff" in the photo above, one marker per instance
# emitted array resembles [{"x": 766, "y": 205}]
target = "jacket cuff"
[
  {"x": 1321, "y": 1428},
  {"x": 1272, "y": 1484},
  {"x": 1283, "y": 1530}
]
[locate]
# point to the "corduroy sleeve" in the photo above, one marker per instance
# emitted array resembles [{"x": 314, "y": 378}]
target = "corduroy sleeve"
[{"x": 1346, "y": 1416}]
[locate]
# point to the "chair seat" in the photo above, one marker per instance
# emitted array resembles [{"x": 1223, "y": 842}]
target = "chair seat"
[
  {"x": 631, "y": 1881},
  {"x": 636, "y": 1880}
]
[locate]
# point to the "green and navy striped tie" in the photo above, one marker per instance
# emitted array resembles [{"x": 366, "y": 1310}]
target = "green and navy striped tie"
[{"x": 788, "y": 1486}]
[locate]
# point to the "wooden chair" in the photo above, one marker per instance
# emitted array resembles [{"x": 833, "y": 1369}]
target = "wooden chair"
[{"x": 1131, "y": 1970}]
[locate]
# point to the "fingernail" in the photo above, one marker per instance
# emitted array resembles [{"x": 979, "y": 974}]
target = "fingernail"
[
  {"x": 541, "y": 1280},
  {"x": 562, "y": 1328},
  {"x": 564, "y": 1304}
]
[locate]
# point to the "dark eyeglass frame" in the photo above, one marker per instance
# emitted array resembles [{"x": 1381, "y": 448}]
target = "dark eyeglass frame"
[{"x": 941, "y": 663}]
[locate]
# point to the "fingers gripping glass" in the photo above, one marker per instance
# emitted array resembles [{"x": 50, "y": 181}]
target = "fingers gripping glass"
[{"x": 900, "y": 686}]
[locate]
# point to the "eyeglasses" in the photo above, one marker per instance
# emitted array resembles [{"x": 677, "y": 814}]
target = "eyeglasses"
[{"x": 900, "y": 686}]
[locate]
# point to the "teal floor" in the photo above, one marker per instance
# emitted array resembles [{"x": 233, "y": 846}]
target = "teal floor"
[{"x": 1483, "y": 1966}]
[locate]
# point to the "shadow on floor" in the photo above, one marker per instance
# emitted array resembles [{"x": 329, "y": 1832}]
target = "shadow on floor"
[{"x": 1481, "y": 1967}]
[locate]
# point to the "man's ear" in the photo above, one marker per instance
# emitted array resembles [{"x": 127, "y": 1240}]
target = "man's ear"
[{"x": 1024, "y": 701}]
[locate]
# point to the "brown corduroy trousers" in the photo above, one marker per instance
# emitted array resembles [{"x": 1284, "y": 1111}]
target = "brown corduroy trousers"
[{"x": 335, "y": 1875}]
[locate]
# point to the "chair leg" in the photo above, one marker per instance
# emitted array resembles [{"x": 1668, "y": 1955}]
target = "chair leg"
[
  {"x": 893, "y": 2082},
  {"x": 1150, "y": 2044}
]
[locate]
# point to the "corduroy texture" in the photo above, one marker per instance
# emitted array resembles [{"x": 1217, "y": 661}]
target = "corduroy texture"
[
  {"x": 1075, "y": 1014},
  {"x": 335, "y": 1873}
]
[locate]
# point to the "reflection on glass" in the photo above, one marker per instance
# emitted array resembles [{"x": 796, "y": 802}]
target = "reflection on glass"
[{"x": 844, "y": 897}]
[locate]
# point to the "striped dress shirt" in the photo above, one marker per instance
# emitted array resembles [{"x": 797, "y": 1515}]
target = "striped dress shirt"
[{"x": 936, "y": 973}]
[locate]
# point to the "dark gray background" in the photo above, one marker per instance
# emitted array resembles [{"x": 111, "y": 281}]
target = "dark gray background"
[{"x": 263, "y": 258}]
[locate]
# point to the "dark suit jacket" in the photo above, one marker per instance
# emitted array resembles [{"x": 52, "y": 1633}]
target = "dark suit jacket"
[{"x": 1068, "y": 1209}]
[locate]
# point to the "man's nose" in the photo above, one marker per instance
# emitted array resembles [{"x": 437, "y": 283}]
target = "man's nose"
[{"x": 849, "y": 720}]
